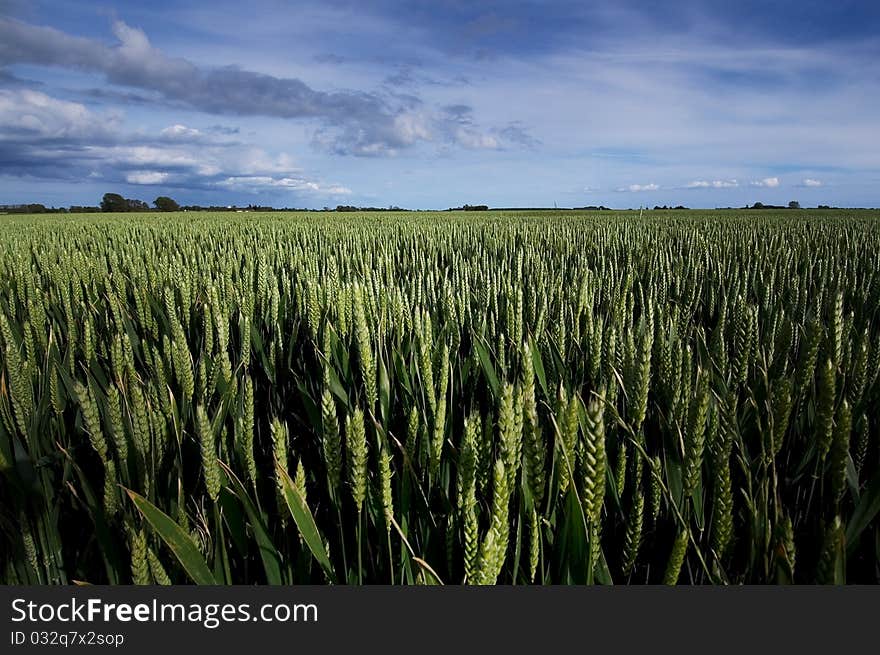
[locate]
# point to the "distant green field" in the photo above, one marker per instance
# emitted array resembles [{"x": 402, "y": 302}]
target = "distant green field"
[{"x": 479, "y": 397}]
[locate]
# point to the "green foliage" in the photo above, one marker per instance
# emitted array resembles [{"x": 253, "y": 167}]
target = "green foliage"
[{"x": 166, "y": 204}]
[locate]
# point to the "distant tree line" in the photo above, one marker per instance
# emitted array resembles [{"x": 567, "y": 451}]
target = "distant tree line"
[
  {"x": 33, "y": 208},
  {"x": 111, "y": 202},
  {"x": 352, "y": 208},
  {"x": 114, "y": 202}
]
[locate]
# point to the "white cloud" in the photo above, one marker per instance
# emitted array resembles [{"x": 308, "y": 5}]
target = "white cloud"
[
  {"x": 475, "y": 141},
  {"x": 337, "y": 190},
  {"x": 810, "y": 182},
  {"x": 768, "y": 182},
  {"x": 636, "y": 188},
  {"x": 411, "y": 127},
  {"x": 152, "y": 156},
  {"x": 714, "y": 184},
  {"x": 258, "y": 182},
  {"x": 146, "y": 177},
  {"x": 180, "y": 132},
  {"x": 133, "y": 43},
  {"x": 29, "y": 114},
  {"x": 256, "y": 161}
]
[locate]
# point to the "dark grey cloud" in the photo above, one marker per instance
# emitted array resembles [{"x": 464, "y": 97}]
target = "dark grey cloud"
[
  {"x": 460, "y": 113},
  {"x": 119, "y": 97},
  {"x": 329, "y": 58},
  {"x": 516, "y": 133},
  {"x": 224, "y": 130},
  {"x": 403, "y": 77},
  {"x": 406, "y": 76}
]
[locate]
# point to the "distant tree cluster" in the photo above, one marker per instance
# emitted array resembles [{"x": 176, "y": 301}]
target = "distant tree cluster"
[
  {"x": 677, "y": 207},
  {"x": 470, "y": 208},
  {"x": 794, "y": 204},
  {"x": 113, "y": 202},
  {"x": 166, "y": 204}
]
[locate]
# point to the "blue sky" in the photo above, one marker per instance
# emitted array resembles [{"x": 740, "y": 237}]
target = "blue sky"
[{"x": 435, "y": 104}]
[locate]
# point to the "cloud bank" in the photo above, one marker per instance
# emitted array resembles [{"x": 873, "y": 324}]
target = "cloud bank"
[
  {"x": 45, "y": 137},
  {"x": 349, "y": 122}
]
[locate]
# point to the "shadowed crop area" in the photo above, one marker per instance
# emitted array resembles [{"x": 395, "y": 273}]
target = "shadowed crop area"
[{"x": 423, "y": 398}]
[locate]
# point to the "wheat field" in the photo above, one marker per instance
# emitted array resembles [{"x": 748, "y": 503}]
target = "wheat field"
[{"x": 427, "y": 398}]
